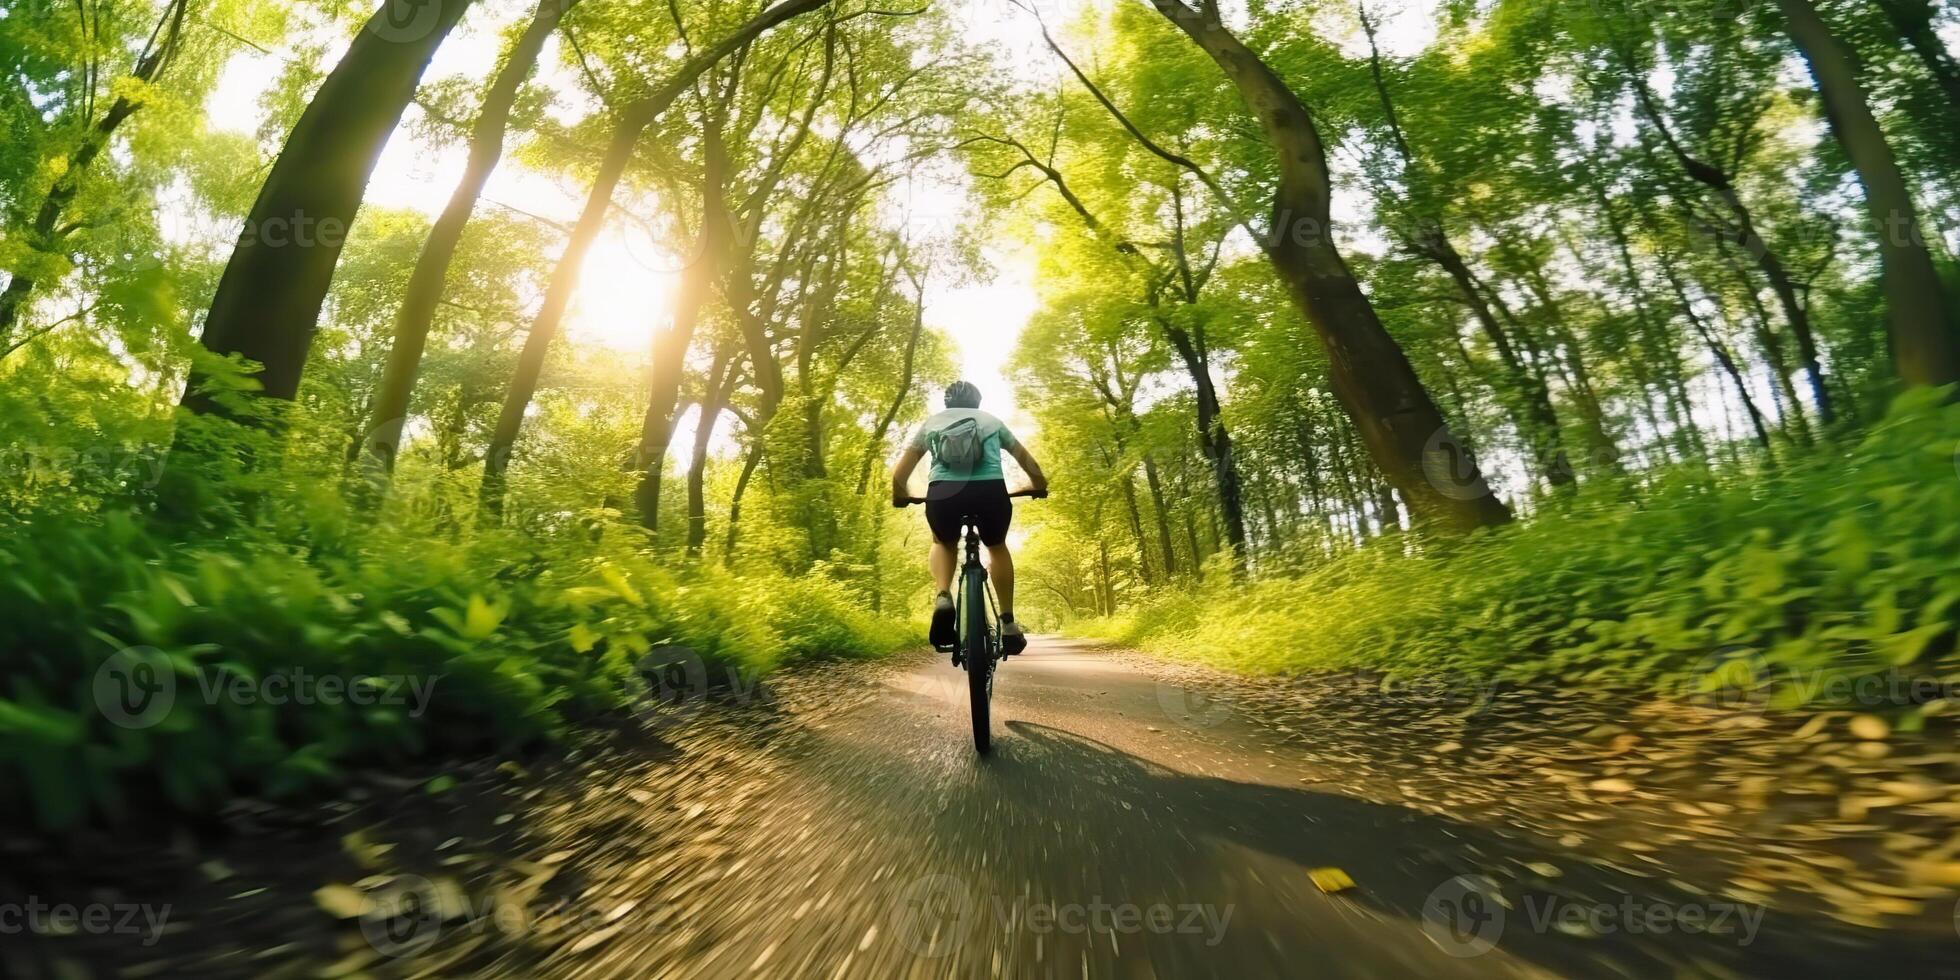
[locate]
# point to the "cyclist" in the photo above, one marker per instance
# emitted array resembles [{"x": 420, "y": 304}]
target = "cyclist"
[{"x": 967, "y": 480}]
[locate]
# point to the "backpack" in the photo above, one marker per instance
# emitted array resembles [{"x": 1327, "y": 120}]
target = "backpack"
[{"x": 957, "y": 447}]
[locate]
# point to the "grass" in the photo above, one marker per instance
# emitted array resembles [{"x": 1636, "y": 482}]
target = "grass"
[
  {"x": 288, "y": 666},
  {"x": 1839, "y": 566}
]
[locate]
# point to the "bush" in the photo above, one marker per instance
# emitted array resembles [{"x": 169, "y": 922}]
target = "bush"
[
  {"x": 1837, "y": 566},
  {"x": 504, "y": 639}
]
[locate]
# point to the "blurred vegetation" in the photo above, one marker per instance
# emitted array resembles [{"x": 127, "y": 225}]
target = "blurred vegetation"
[
  {"x": 1617, "y": 252},
  {"x": 1843, "y": 566},
  {"x": 513, "y": 636},
  {"x": 253, "y": 543}
]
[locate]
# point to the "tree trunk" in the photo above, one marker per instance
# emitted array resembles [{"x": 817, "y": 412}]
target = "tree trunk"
[
  {"x": 1540, "y": 423},
  {"x": 670, "y": 349},
  {"x": 1715, "y": 347},
  {"x": 1371, "y": 376},
  {"x": 1108, "y": 585},
  {"x": 425, "y": 284},
  {"x": 1349, "y": 480},
  {"x": 720, "y": 382},
  {"x": 1913, "y": 19},
  {"x": 1793, "y": 306},
  {"x": 815, "y": 390},
  {"x": 735, "y": 501},
  {"x": 1213, "y": 439},
  {"x": 1925, "y": 336},
  {"x": 1540, "y": 419},
  {"x": 1151, "y": 479},
  {"x": 1263, "y": 495},
  {"x": 1795, "y": 419},
  {"x": 1311, "y": 459},
  {"x": 1130, "y": 508},
  {"x": 1745, "y": 234},
  {"x": 267, "y": 306},
  {"x": 633, "y": 121},
  {"x": 885, "y": 421},
  {"x": 1603, "y": 449},
  {"x": 1664, "y": 356},
  {"x": 1191, "y": 542}
]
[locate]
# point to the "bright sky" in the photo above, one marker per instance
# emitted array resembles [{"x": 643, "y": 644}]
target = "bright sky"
[{"x": 627, "y": 281}]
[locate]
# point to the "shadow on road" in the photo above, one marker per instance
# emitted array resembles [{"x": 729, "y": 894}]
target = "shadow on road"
[{"x": 1570, "y": 916}]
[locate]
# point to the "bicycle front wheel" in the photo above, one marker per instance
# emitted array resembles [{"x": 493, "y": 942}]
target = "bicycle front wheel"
[{"x": 979, "y": 655}]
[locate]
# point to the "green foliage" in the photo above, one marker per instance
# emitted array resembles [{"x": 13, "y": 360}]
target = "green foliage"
[
  {"x": 1843, "y": 565},
  {"x": 1518, "y": 132},
  {"x": 510, "y": 638}
]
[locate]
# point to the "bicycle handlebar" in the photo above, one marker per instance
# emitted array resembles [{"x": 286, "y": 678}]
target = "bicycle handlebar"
[{"x": 909, "y": 501}]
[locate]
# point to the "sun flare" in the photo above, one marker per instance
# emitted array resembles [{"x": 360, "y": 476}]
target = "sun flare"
[{"x": 625, "y": 292}]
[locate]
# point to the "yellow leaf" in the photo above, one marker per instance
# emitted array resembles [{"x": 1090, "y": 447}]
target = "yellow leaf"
[
  {"x": 482, "y": 618},
  {"x": 583, "y": 640},
  {"x": 1330, "y": 880},
  {"x": 1870, "y": 727},
  {"x": 1811, "y": 727},
  {"x": 1915, "y": 790},
  {"x": 340, "y": 901},
  {"x": 620, "y": 585},
  {"x": 1943, "y": 873}
]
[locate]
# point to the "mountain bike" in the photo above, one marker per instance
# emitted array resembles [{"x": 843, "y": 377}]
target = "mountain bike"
[{"x": 978, "y": 648}]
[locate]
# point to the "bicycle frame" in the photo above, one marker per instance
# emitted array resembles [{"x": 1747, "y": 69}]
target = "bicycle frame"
[
  {"x": 974, "y": 582},
  {"x": 973, "y": 566},
  {"x": 979, "y": 643}
]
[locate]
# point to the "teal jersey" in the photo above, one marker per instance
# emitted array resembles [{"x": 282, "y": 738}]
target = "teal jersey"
[{"x": 994, "y": 437}]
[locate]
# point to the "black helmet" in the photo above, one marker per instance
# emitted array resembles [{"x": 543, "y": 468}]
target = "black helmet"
[{"x": 962, "y": 394}]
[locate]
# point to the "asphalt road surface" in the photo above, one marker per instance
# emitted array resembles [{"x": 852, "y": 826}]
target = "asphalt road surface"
[{"x": 1122, "y": 827}]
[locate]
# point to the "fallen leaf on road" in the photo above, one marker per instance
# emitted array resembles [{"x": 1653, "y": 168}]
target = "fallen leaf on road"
[
  {"x": 340, "y": 901},
  {"x": 1946, "y": 873},
  {"x": 1330, "y": 880}
]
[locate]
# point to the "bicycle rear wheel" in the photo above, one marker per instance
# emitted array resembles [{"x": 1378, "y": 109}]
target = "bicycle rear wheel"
[{"x": 979, "y": 655}]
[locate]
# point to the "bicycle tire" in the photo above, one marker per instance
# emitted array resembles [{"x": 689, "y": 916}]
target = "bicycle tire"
[{"x": 979, "y": 662}]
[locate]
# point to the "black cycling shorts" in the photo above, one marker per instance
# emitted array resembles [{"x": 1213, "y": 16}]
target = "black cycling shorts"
[{"x": 949, "y": 502}]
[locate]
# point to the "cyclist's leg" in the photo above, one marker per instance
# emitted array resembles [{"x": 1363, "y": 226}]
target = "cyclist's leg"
[
  {"x": 1000, "y": 567},
  {"x": 995, "y": 513},
  {"x": 944, "y": 511},
  {"x": 943, "y": 561}
]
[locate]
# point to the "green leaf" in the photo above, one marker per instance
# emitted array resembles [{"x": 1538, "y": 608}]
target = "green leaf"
[{"x": 40, "y": 723}]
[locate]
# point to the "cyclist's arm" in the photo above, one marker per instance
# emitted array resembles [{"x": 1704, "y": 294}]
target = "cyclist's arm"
[
  {"x": 1037, "y": 481},
  {"x": 902, "y": 474}
]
